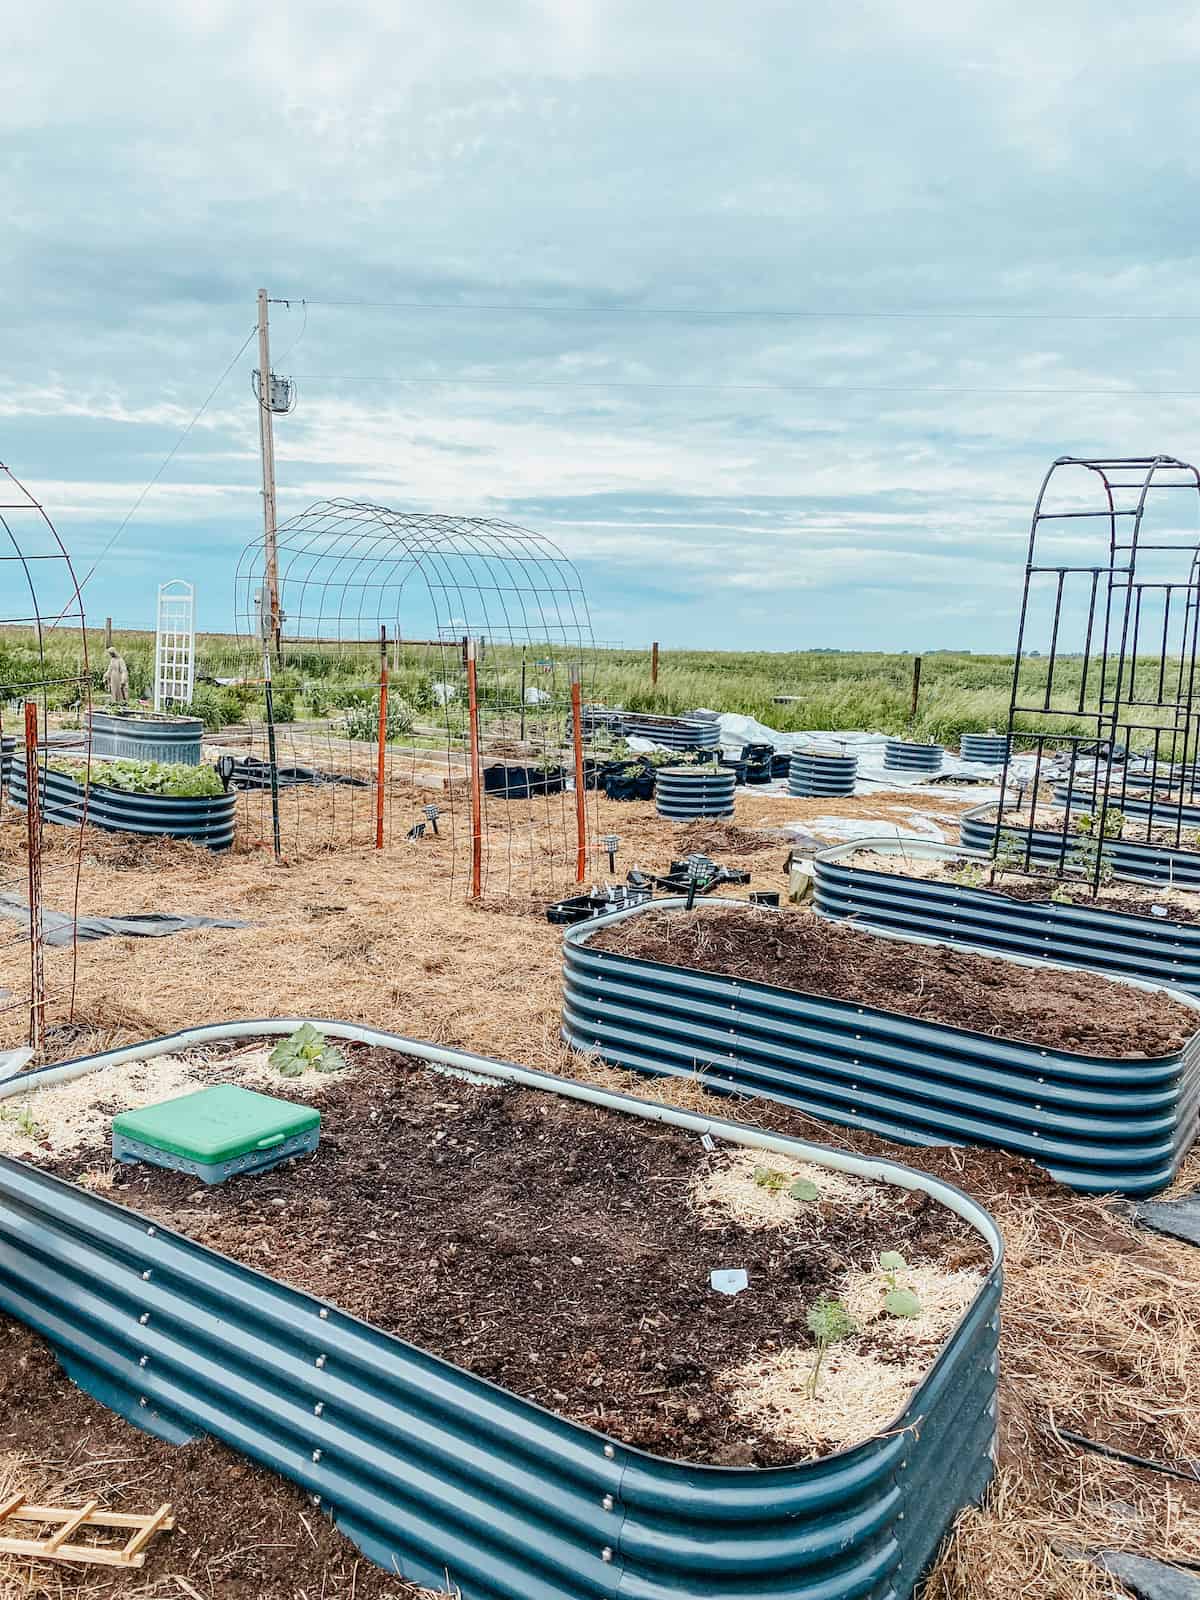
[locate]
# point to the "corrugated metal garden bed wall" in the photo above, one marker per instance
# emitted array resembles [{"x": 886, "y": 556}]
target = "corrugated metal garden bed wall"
[
  {"x": 205, "y": 819},
  {"x": 1099, "y": 1124},
  {"x": 1155, "y": 949},
  {"x": 433, "y": 1471},
  {"x": 1154, "y": 863}
]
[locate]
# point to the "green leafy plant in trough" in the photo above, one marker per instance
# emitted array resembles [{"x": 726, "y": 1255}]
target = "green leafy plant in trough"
[
  {"x": 307, "y": 1047},
  {"x": 174, "y": 778},
  {"x": 24, "y": 1120},
  {"x": 362, "y": 722},
  {"x": 828, "y": 1321},
  {"x": 969, "y": 874},
  {"x": 897, "y": 1302},
  {"x": 1114, "y": 823}
]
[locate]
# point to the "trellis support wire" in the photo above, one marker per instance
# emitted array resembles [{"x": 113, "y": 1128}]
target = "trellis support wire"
[
  {"x": 33, "y": 819},
  {"x": 476, "y": 775},
  {"x": 381, "y": 754},
  {"x": 580, "y": 794},
  {"x": 269, "y": 697}
]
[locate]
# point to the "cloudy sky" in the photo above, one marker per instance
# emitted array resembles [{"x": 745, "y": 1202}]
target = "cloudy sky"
[{"x": 654, "y": 277}]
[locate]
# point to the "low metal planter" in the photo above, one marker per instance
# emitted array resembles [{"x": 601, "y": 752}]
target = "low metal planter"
[
  {"x": 204, "y": 819},
  {"x": 992, "y": 748},
  {"x": 1153, "y": 863},
  {"x": 1099, "y": 1124},
  {"x": 436, "y": 1473},
  {"x": 1155, "y": 949},
  {"x": 822, "y": 772},
  {"x": 146, "y": 738},
  {"x": 7, "y": 747},
  {"x": 675, "y": 733},
  {"x": 902, "y": 755},
  {"x": 685, "y": 793}
]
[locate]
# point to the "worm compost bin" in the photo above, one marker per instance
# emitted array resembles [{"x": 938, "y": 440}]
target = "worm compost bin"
[
  {"x": 146, "y": 736},
  {"x": 1095, "y": 1078},
  {"x": 523, "y": 1338},
  {"x": 177, "y": 800},
  {"x": 1139, "y": 850}
]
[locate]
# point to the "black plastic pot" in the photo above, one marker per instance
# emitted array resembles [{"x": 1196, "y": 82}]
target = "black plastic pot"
[{"x": 520, "y": 783}]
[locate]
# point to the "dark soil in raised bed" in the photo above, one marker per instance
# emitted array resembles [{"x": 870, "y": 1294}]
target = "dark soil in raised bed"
[
  {"x": 1064, "y": 1009},
  {"x": 544, "y": 1244}
]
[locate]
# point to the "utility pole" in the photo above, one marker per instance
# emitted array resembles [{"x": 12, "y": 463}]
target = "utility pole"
[{"x": 266, "y": 436}]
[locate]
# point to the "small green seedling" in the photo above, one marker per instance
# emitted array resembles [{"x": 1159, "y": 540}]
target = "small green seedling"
[
  {"x": 969, "y": 875},
  {"x": 804, "y": 1189},
  {"x": 770, "y": 1178},
  {"x": 303, "y": 1049},
  {"x": 24, "y": 1120},
  {"x": 897, "y": 1302},
  {"x": 828, "y": 1321}
]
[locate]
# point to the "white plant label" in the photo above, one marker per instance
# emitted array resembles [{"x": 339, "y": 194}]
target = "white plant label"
[{"x": 729, "y": 1280}]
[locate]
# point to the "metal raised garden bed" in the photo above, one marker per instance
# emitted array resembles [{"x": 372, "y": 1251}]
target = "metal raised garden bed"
[
  {"x": 904, "y": 755},
  {"x": 1133, "y": 804},
  {"x": 1099, "y": 1124},
  {"x": 993, "y": 748},
  {"x": 434, "y": 1472},
  {"x": 205, "y": 819},
  {"x": 149, "y": 737},
  {"x": 1156, "y": 863},
  {"x": 675, "y": 733},
  {"x": 816, "y": 772},
  {"x": 687, "y": 793},
  {"x": 1155, "y": 949}
]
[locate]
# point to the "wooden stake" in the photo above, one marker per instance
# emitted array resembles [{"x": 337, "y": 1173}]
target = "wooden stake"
[
  {"x": 912, "y": 715},
  {"x": 654, "y": 663},
  {"x": 476, "y": 775},
  {"x": 580, "y": 793},
  {"x": 381, "y": 754},
  {"x": 107, "y": 632},
  {"x": 33, "y": 824}
]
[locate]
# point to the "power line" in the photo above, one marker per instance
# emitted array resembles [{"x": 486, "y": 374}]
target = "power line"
[
  {"x": 170, "y": 456},
  {"x": 713, "y": 312},
  {"x": 751, "y": 388}
]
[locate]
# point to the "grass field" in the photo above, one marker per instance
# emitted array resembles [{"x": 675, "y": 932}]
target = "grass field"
[{"x": 836, "y": 690}]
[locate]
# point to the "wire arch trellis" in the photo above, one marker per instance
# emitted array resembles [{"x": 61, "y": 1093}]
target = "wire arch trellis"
[
  {"x": 43, "y": 672},
  {"x": 438, "y": 589},
  {"x": 1109, "y": 705}
]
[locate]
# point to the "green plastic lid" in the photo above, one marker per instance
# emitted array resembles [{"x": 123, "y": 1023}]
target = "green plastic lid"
[{"x": 217, "y": 1124}]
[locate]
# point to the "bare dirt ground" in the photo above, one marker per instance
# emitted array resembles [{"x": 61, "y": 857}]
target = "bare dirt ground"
[{"x": 1101, "y": 1330}]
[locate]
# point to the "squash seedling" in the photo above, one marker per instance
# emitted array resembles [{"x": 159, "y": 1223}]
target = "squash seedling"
[
  {"x": 305, "y": 1048},
  {"x": 774, "y": 1181},
  {"x": 897, "y": 1302},
  {"x": 828, "y": 1321}
]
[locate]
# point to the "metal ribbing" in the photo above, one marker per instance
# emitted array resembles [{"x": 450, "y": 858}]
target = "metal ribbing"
[
  {"x": 685, "y": 793},
  {"x": 821, "y": 772}
]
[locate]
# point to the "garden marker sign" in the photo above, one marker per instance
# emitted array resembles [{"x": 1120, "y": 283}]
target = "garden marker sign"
[{"x": 175, "y": 645}]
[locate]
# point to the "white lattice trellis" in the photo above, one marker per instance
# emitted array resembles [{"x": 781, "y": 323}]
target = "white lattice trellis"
[{"x": 175, "y": 645}]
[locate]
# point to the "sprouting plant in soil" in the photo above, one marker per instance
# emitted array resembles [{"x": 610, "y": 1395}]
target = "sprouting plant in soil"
[
  {"x": 24, "y": 1120},
  {"x": 828, "y": 1321},
  {"x": 293, "y": 1056},
  {"x": 1114, "y": 823},
  {"x": 969, "y": 875},
  {"x": 897, "y": 1302},
  {"x": 1062, "y": 896},
  {"x": 776, "y": 1182}
]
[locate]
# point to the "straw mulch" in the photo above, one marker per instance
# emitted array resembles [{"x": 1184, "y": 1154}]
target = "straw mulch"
[{"x": 1101, "y": 1321}]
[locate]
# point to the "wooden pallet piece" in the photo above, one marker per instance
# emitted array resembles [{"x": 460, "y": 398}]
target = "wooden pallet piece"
[{"x": 68, "y": 1520}]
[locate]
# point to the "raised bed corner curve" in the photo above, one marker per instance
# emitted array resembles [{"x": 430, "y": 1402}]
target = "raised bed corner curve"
[
  {"x": 1101, "y": 1125},
  {"x": 435, "y": 1472}
]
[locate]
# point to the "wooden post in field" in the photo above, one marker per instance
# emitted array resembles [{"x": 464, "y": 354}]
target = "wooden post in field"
[
  {"x": 381, "y": 753},
  {"x": 580, "y": 792},
  {"x": 33, "y": 822},
  {"x": 476, "y": 774},
  {"x": 654, "y": 664},
  {"x": 107, "y": 632},
  {"x": 912, "y": 715}
]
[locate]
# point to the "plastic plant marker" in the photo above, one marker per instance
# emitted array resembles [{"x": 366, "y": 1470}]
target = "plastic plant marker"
[{"x": 729, "y": 1280}]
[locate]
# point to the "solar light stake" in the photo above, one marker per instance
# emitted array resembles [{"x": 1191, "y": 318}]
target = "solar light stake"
[
  {"x": 433, "y": 813},
  {"x": 609, "y": 842}
]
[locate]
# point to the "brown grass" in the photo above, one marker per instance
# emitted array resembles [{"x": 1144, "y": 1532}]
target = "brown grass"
[{"x": 1101, "y": 1329}]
